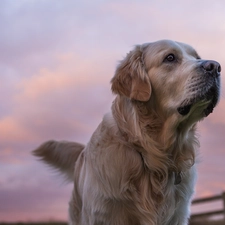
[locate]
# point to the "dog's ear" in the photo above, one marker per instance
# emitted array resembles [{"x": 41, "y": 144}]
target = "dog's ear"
[{"x": 131, "y": 78}]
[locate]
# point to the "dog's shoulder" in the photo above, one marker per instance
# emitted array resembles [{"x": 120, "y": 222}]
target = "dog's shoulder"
[
  {"x": 109, "y": 141},
  {"x": 110, "y": 156}
]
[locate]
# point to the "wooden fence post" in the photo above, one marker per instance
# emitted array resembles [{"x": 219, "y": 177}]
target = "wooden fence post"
[
  {"x": 223, "y": 197},
  {"x": 212, "y": 213}
]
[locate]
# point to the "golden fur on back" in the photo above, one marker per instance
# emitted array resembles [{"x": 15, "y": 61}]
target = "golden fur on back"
[{"x": 139, "y": 165}]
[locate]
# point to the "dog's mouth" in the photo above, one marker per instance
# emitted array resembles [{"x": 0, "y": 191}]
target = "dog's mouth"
[{"x": 208, "y": 96}]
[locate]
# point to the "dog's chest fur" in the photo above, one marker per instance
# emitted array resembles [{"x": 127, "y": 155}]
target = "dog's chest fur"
[{"x": 122, "y": 187}]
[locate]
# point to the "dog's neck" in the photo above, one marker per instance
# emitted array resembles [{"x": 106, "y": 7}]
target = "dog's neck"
[
  {"x": 167, "y": 153},
  {"x": 164, "y": 147}
]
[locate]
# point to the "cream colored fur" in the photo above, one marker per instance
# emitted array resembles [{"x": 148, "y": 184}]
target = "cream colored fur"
[{"x": 126, "y": 174}]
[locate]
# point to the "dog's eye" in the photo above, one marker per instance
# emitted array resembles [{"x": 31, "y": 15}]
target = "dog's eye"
[{"x": 170, "y": 58}]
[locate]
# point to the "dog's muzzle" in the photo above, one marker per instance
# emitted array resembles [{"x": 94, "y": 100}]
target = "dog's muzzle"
[{"x": 208, "y": 88}]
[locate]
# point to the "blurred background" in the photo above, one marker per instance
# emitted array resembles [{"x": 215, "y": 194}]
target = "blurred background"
[{"x": 56, "y": 61}]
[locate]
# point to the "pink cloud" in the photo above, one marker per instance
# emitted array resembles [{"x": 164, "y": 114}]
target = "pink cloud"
[
  {"x": 219, "y": 112},
  {"x": 12, "y": 130},
  {"x": 70, "y": 72},
  {"x": 35, "y": 203}
]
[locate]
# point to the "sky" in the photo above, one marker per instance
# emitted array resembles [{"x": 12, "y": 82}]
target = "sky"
[{"x": 56, "y": 61}]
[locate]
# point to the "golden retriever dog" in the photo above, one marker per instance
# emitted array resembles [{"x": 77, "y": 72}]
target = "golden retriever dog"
[{"x": 139, "y": 165}]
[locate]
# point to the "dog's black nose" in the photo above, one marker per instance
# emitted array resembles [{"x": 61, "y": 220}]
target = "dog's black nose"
[{"x": 211, "y": 67}]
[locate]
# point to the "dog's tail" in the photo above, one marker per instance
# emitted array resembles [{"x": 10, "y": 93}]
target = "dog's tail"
[{"x": 60, "y": 155}]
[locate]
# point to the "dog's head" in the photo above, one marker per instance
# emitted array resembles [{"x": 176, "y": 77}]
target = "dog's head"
[{"x": 172, "y": 76}]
